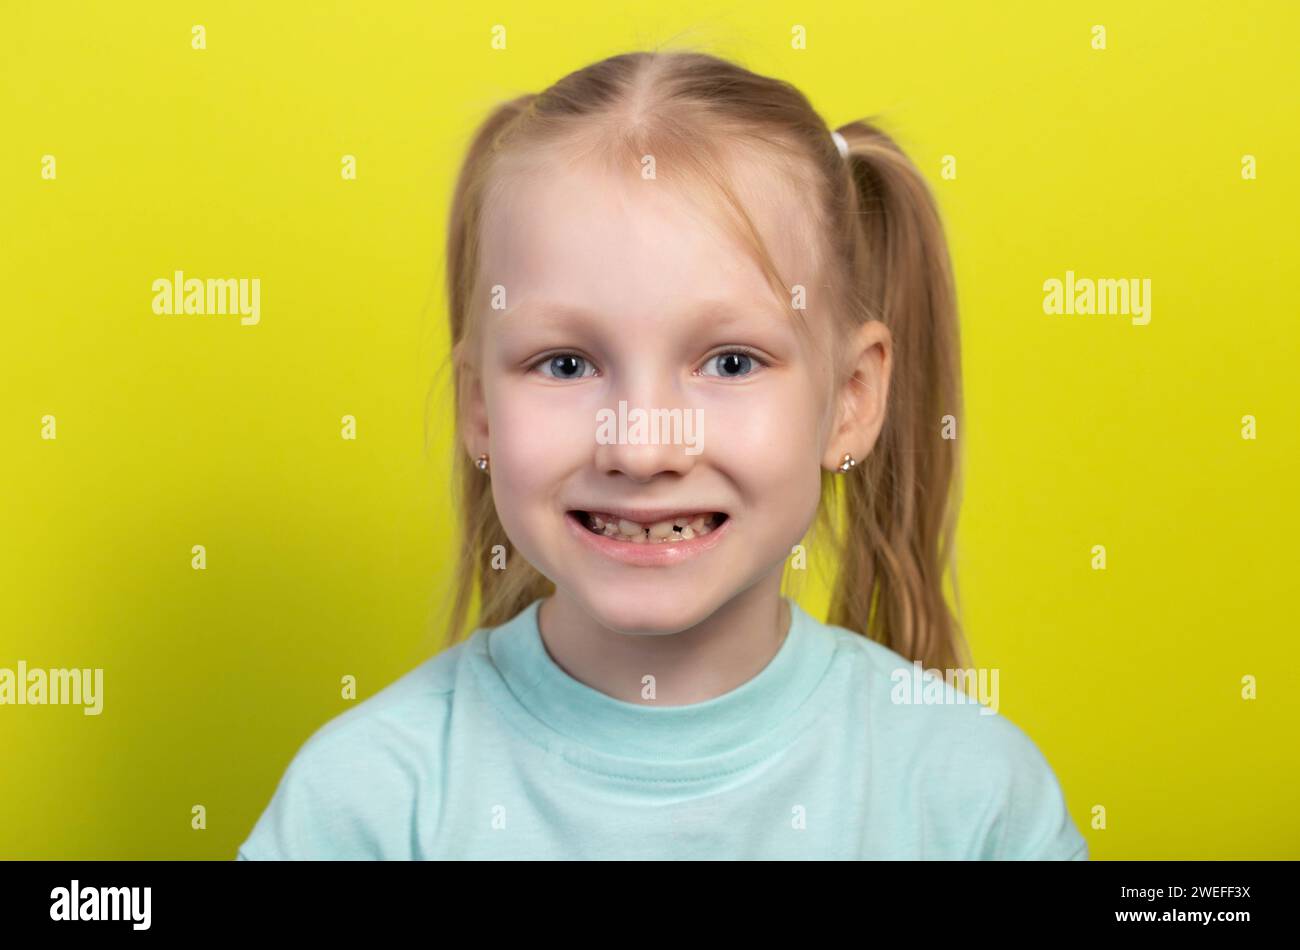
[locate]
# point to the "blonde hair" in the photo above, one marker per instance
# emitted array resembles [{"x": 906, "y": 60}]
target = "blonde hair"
[{"x": 878, "y": 239}]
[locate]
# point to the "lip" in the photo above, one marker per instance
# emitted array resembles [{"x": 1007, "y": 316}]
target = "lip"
[
  {"x": 648, "y": 516},
  {"x": 665, "y": 554}
]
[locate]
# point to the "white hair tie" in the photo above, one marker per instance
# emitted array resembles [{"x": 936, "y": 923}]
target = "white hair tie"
[{"x": 841, "y": 144}]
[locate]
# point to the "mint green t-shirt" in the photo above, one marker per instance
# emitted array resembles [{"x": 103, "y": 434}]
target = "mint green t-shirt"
[{"x": 490, "y": 750}]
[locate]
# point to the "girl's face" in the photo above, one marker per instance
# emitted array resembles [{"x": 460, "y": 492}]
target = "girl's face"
[{"x": 619, "y": 302}]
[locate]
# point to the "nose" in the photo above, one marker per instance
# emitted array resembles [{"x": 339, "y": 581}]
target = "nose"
[{"x": 648, "y": 431}]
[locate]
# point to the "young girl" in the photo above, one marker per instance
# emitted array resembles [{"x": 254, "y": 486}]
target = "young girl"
[{"x": 689, "y": 323}]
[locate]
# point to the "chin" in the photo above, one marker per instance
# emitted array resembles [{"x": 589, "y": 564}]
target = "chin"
[{"x": 645, "y": 613}]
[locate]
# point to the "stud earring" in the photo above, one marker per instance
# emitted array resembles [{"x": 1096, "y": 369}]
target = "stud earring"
[
  {"x": 481, "y": 463},
  {"x": 847, "y": 462}
]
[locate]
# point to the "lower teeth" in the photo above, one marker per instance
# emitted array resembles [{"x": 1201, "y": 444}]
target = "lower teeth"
[{"x": 664, "y": 532}]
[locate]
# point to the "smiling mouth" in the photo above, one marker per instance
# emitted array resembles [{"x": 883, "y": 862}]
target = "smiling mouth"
[{"x": 681, "y": 528}]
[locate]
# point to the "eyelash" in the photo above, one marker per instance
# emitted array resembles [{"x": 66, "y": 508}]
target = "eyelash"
[{"x": 743, "y": 350}]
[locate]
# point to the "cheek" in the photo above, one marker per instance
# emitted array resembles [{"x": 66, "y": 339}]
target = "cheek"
[
  {"x": 767, "y": 441},
  {"x": 535, "y": 438}
]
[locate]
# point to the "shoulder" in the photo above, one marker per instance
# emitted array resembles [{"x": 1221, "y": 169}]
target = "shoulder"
[
  {"x": 351, "y": 789},
  {"x": 989, "y": 790}
]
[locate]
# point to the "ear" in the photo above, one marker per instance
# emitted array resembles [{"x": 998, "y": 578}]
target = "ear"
[
  {"x": 861, "y": 401},
  {"x": 473, "y": 407}
]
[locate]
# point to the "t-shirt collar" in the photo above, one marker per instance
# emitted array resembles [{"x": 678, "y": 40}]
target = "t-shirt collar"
[{"x": 566, "y": 714}]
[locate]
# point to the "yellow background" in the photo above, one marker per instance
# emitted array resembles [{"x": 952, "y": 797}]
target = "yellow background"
[{"x": 326, "y": 557}]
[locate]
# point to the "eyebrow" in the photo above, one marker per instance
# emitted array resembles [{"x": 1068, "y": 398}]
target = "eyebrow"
[{"x": 722, "y": 310}]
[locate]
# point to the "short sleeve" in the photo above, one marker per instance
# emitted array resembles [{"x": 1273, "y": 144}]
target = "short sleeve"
[
  {"x": 348, "y": 794},
  {"x": 1034, "y": 824},
  {"x": 303, "y": 817}
]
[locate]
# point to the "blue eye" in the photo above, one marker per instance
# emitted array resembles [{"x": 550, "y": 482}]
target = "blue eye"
[
  {"x": 733, "y": 364},
  {"x": 564, "y": 366}
]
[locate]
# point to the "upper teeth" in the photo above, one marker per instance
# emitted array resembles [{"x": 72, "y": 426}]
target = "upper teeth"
[{"x": 682, "y": 528}]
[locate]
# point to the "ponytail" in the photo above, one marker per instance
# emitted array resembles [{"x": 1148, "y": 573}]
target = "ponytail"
[
  {"x": 894, "y": 541},
  {"x": 501, "y": 593}
]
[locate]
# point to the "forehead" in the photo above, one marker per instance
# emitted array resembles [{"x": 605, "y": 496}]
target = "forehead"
[{"x": 625, "y": 244}]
